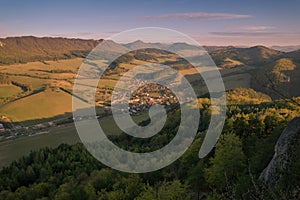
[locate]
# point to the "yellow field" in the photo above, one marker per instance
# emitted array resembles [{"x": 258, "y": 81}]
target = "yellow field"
[
  {"x": 36, "y": 83},
  {"x": 188, "y": 71},
  {"x": 33, "y": 68},
  {"x": 103, "y": 83},
  {"x": 45, "y": 104},
  {"x": 9, "y": 90}
]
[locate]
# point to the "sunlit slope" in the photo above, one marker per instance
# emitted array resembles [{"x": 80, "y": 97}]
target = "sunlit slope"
[
  {"x": 9, "y": 90},
  {"x": 46, "y": 104}
]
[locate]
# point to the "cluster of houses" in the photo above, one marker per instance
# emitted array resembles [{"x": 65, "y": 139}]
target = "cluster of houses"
[
  {"x": 148, "y": 95},
  {"x": 2, "y": 129},
  {"x": 9, "y": 133},
  {"x": 18, "y": 130}
]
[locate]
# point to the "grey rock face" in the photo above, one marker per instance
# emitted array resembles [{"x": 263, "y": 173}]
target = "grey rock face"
[{"x": 284, "y": 151}]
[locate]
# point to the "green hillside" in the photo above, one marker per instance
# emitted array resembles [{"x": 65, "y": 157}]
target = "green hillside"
[
  {"x": 278, "y": 79},
  {"x": 247, "y": 56}
]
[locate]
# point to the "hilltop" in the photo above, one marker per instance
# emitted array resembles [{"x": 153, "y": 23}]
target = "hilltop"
[
  {"x": 29, "y": 48},
  {"x": 256, "y": 55}
]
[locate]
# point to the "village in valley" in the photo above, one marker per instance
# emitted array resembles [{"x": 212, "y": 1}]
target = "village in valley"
[{"x": 140, "y": 100}]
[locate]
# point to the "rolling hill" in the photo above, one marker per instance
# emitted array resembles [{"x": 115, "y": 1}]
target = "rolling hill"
[
  {"x": 256, "y": 55},
  {"x": 278, "y": 79},
  {"x": 29, "y": 48},
  {"x": 138, "y": 44}
]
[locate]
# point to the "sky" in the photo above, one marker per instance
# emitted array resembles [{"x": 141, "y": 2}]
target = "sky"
[{"x": 210, "y": 22}]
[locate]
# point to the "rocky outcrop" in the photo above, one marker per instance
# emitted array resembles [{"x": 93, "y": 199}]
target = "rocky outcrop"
[{"x": 284, "y": 151}]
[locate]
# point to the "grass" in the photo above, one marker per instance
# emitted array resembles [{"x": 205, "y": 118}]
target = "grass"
[
  {"x": 104, "y": 83},
  {"x": 38, "y": 74},
  {"x": 45, "y": 104},
  {"x": 110, "y": 128},
  {"x": 9, "y": 90},
  {"x": 239, "y": 80},
  {"x": 230, "y": 63},
  {"x": 37, "y": 68},
  {"x": 188, "y": 71},
  {"x": 11, "y": 150},
  {"x": 237, "y": 77},
  {"x": 36, "y": 83}
]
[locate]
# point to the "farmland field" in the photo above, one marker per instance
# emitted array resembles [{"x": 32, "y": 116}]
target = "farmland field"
[
  {"x": 56, "y": 74},
  {"x": 9, "y": 90},
  {"x": 45, "y": 99},
  {"x": 45, "y": 104},
  {"x": 42, "y": 68}
]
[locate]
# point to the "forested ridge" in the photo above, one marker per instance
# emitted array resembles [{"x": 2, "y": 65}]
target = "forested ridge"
[{"x": 29, "y": 49}]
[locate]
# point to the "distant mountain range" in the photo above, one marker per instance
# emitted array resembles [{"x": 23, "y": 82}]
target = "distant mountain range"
[
  {"x": 272, "y": 69},
  {"x": 29, "y": 48},
  {"x": 140, "y": 44},
  {"x": 286, "y": 48}
]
